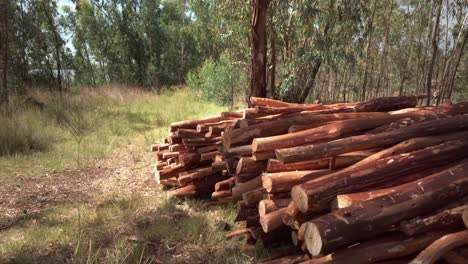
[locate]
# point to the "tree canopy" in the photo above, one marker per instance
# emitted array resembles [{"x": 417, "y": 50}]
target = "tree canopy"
[{"x": 328, "y": 50}]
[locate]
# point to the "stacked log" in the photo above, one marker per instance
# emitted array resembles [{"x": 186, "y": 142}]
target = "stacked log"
[{"x": 375, "y": 181}]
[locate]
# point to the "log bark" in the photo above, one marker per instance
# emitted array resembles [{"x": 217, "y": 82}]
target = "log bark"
[
  {"x": 224, "y": 185},
  {"x": 206, "y": 149},
  {"x": 241, "y": 188},
  {"x": 327, "y": 132},
  {"x": 385, "y": 248},
  {"x": 297, "y": 128},
  {"x": 439, "y": 247},
  {"x": 168, "y": 173},
  {"x": 254, "y": 101},
  {"x": 340, "y": 146},
  {"x": 252, "y": 197},
  {"x": 237, "y": 233},
  {"x": 192, "y": 124},
  {"x": 385, "y": 104},
  {"x": 188, "y": 133},
  {"x": 247, "y": 169},
  {"x": 244, "y": 212},
  {"x": 221, "y": 194},
  {"x": 453, "y": 257},
  {"x": 412, "y": 145},
  {"x": 279, "y": 182},
  {"x": 373, "y": 217},
  {"x": 266, "y": 206},
  {"x": 346, "y": 200},
  {"x": 447, "y": 218},
  {"x": 316, "y": 195},
  {"x": 465, "y": 218},
  {"x": 404, "y": 122},
  {"x": 265, "y": 155},
  {"x": 337, "y": 162},
  {"x": 272, "y": 221},
  {"x": 281, "y": 126},
  {"x": 209, "y": 155},
  {"x": 240, "y": 151}
]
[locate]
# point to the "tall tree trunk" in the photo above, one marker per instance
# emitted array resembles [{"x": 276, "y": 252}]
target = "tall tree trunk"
[
  {"x": 57, "y": 45},
  {"x": 434, "y": 37},
  {"x": 272, "y": 70},
  {"x": 5, "y": 47},
  {"x": 384, "y": 51},
  {"x": 454, "y": 73},
  {"x": 447, "y": 77},
  {"x": 370, "y": 26},
  {"x": 259, "y": 49}
]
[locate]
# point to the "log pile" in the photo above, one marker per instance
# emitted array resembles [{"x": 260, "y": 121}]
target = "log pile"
[{"x": 370, "y": 182}]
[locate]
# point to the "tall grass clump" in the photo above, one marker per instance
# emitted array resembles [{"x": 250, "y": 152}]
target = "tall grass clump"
[{"x": 24, "y": 130}]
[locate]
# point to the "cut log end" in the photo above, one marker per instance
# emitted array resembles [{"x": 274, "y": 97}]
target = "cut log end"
[
  {"x": 254, "y": 145},
  {"x": 267, "y": 183},
  {"x": 465, "y": 217},
  {"x": 300, "y": 198},
  {"x": 313, "y": 240}
]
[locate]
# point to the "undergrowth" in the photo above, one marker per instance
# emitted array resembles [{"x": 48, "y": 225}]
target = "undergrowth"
[{"x": 75, "y": 129}]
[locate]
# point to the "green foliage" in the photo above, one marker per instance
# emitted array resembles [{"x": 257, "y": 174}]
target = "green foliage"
[{"x": 220, "y": 80}]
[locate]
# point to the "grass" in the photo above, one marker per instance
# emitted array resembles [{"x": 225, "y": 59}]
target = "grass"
[
  {"x": 76, "y": 129},
  {"x": 72, "y": 133},
  {"x": 136, "y": 230}
]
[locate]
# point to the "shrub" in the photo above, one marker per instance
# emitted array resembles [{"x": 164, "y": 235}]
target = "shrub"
[{"x": 218, "y": 80}]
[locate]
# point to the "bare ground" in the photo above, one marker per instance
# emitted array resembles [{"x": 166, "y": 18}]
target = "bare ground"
[{"x": 119, "y": 174}]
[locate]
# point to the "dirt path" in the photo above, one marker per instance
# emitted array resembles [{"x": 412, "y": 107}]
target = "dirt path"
[{"x": 126, "y": 171}]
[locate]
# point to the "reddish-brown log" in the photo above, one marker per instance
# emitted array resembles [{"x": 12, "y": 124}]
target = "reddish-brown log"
[
  {"x": 327, "y": 132},
  {"x": 384, "y": 248},
  {"x": 168, "y": 155},
  {"x": 188, "y": 133},
  {"x": 244, "y": 211},
  {"x": 297, "y": 128},
  {"x": 367, "y": 219},
  {"x": 240, "y": 151},
  {"x": 316, "y": 195},
  {"x": 221, "y": 194},
  {"x": 266, "y": 155},
  {"x": 168, "y": 173},
  {"x": 441, "y": 246},
  {"x": 272, "y": 220},
  {"x": 340, "y": 146},
  {"x": 252, "y": 197},
  {"x": 281, "y": 126},
  {"x": 247, "y": 169},
  {"x": 465, "y": 218},
  {"x": 238, "y": 232},
  {"x": 453, "y": 257},
  {"x": 266, "y": 206},
  {"x": 254, "y": 101},
  {"x": 279, "y": 182},
  {"x": 224, "y": 185},
  {"x": 412, "y": 145},
  {"x": 192, "y": 124},
  {"x": 206, "y": 149},
  {"x": 162, "y": 146},
  {"x": 209, "y": 155},
  {"x": 447, "y": 218},
  {"x": 244, "y": 187}
]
